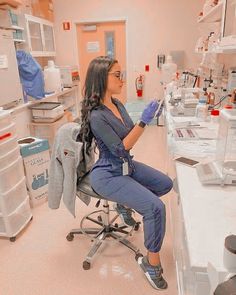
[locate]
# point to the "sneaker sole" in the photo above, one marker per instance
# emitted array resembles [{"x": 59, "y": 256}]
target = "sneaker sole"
[{"x": 148, "y": 276}]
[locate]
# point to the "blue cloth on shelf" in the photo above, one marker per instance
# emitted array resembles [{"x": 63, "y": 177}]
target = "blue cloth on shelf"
[{"x": 31, "y": 74}]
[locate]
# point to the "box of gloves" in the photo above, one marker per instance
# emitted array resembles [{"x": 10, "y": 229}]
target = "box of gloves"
[{"x": 36, "y": 158}]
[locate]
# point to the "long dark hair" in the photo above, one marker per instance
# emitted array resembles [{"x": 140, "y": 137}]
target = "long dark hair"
[{"x": 93, "y": 92}]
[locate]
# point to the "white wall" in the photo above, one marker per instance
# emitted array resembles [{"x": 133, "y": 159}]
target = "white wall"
[{"x": 153, "y": 27}]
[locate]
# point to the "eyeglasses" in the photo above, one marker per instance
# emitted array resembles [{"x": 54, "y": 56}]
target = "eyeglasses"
[{"x": 119, "y": 75}]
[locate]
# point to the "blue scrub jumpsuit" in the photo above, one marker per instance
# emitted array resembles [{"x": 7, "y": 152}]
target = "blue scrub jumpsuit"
[{"x": 141, "y": 188}]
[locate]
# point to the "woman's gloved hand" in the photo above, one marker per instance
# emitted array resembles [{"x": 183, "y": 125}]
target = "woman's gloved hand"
[{"x": 149, "y": 112}]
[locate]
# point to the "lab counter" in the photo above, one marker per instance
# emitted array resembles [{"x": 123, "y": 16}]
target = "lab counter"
[
  {"x": 21, "y": 114},
  {"x": 201, "y": 215}
]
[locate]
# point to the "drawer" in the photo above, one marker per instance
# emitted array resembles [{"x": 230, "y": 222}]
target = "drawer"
[
  {"x": 12, "y": 224},
  {"x": 11, "y": 175},
  {"x": 9, "y": 157},
  {"x": 12, "y": 199},
  {"x": 8, "y": 145},
  {"x": 7, "y": 132}
]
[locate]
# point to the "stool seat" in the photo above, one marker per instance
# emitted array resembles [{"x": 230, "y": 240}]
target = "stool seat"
[{"x": 85, "y": 187}]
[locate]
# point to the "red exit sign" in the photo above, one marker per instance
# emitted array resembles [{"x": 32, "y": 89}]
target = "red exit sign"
[{"x": 66, "y": 26}]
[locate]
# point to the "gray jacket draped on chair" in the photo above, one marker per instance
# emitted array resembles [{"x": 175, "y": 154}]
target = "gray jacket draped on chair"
[{"x": 68, "y": 162}]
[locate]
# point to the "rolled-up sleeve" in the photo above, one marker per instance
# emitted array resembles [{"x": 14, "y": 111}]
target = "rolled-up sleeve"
[{"x": 103, "y": 130}]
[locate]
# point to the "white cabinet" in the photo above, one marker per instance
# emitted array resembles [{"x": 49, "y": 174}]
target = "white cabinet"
[{"x": 40, "y": 36}]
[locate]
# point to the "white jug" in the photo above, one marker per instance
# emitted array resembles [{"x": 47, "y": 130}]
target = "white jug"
[{"x": 52, "y": 78}]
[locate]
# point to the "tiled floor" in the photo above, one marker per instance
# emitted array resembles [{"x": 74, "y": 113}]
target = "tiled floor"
[{"x": 43, "y": 262}]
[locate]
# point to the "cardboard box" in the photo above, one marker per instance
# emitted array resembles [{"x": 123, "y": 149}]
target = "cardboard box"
[{"x": 36, "y": 158}]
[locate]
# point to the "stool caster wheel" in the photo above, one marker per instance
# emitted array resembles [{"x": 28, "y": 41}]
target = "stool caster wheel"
[
  {"x": 86, "y": 265},
  {"x": 136, "y": 227},
  {"x": 12, "y": 239},
  {"x": 138, "y": 255},
  {"x": 70, "y": 237}
]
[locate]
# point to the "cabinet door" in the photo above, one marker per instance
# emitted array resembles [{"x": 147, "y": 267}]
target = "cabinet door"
[
  {"x": 35, "y": 36},
  {"x": 48, "y": 38}
]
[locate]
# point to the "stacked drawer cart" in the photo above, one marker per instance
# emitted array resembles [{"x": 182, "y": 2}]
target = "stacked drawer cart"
[{"x": 15, "y": 211}]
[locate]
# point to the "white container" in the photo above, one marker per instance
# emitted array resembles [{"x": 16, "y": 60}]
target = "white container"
[
  {"x": 201, "y": 110},
  {"x": 48, "y": 110},
  {"x": 11, "y": 174},
  {"x": 52, "y": 78},
  {"x": 230, "y": 253},
  {"x": 8, "y": 145},
  {"x": 12, "y": 199},
  {"x": 168, "y": 70},
  {"x": 11, "y": 225}
]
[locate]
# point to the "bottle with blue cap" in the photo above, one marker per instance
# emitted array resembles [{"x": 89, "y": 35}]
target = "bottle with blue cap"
[{"x": 201, "y": 109}]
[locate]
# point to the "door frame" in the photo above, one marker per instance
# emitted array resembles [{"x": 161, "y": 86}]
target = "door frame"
[{"x": 103, "y": 20}]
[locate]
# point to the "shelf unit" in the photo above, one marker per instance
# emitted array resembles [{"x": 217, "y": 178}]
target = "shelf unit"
[
  {"x": 12, "y": 21},
  {"x": 214, "y": 15}
]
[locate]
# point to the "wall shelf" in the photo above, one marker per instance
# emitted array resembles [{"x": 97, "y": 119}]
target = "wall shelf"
[{"x": 214, "y": 15}]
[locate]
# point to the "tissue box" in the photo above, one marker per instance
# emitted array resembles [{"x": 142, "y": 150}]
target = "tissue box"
[{"x": 36, "y": 158}]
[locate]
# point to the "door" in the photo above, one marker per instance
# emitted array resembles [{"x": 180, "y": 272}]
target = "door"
[{"x": 106, "y": 38}]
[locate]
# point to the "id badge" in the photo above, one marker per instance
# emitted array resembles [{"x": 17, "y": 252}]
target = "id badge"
[{"x": 125, "y": 168}]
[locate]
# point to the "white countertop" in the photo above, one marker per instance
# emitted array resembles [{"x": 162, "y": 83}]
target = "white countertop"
[
  {"x": 22, "y": 106},
  {"x": 209, "y": 214},
  {"x": 209, "y": 211}
]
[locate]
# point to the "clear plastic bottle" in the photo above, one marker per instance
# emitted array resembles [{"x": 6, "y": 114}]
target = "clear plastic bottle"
[
  {"x": 201, "y": 110},
  {"x": 52, "y": 78},
  {"x": 168, "y": 70}
]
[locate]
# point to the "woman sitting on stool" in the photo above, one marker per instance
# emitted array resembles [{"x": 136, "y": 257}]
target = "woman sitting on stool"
[{"x": 116, "y": 176}]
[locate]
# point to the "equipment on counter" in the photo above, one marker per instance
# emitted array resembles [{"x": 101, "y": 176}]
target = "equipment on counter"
[
  {"x": 184, "y": 102},
  {"x": 69, "y": 75},
  {"x": 47, "y": 111},
  {"x": 223, "y": 169}
]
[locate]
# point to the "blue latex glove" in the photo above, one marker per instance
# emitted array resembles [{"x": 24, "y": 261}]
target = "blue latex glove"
[{"x": 149, "y": 112}]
